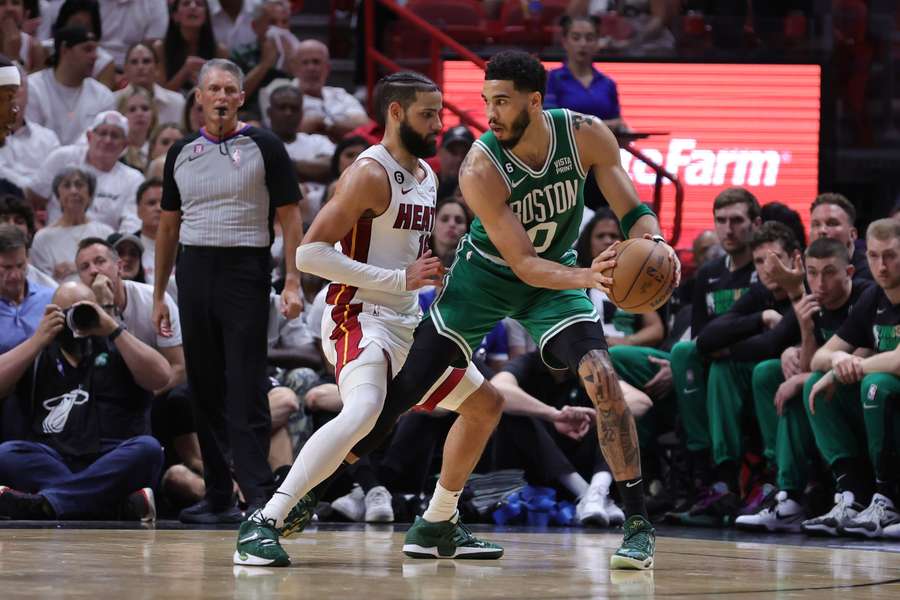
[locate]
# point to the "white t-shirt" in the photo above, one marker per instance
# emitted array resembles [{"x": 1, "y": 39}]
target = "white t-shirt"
[
  {"x": 138, "y": 316},
  {"x": 232, "y": 33},
  {"x": 316, "y": 310},
  {"x": 114, "y": 200},
  {"x": 309, "y": 147},
  {"x": 282, "y": 333},
  {"x": 126, "y": 22},
  {"x": 67, "y": 111},
  {"x": 54, "y": 245},
  {"x": 39, "y": 277},
  {"x": 335, "y": 104},
  {"x": 148, "y": 261},
  {"x": 169, "y": 105},
  {"x": 25, "y": 151}
]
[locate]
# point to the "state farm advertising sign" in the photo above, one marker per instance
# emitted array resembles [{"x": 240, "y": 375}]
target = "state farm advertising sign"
[{"x": 720, "y": 125}]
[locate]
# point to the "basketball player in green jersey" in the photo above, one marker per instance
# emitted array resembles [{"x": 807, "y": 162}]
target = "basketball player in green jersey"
[{"x": 524, "y": 180}]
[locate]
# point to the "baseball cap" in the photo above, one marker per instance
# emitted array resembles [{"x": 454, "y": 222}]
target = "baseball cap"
[
  {"x": 460, "y": 133},
  {"x": 117, "y": 239},
  {"x": 72, "y": 35},
  {"x": 110, "y": 117}
]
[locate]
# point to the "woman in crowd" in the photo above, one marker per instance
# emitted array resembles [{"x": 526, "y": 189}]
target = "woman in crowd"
[
  {"x": 53, "y": 249},
  {"x": 451, "y": 222},
  {"x": 141, "y": 68},
  {"x": 188, "y": 44},
  {"x": 141, "y": 114}
]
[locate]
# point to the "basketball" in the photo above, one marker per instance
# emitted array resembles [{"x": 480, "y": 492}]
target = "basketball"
[{"x": 644, "y": 276}]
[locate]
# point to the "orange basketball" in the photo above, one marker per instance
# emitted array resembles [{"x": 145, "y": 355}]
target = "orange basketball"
[{"x": 644, "y": 276}]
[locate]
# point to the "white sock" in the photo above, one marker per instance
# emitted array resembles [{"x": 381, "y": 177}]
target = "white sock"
[
  {"x": 442, "y": 506},
  {"x": 575, "y": 483},
  {"x": 602, "y": 479},
  {"x": 329, "y": 445}
]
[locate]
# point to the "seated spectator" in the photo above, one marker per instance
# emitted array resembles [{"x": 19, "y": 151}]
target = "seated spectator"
[
  {"x": 193, "y": 113},
  {"x": 22, "y": 301},
  {"x": 130, "y": 252},
  {"x": 263, "y": 60},
  {"x": 636, "y": 26},
  {"x": 161, "y": 140},
  {"x": 141, "y": 114},
  {"x": 116, "y": 182},
  {"x": 455, "y": 143},
  {"x": 345, "y": 152},
  {"x": 28, "y": 145},
  {"x": 66, "y": 98},
  {"x": 149, "y": 196},
  {"x": 15, "y": 211},
  {"x": 127, "y": 23},
  {"x": 310, "y": 152},
  {"x": 451, "y": 222},
  {"x": 54, "y": 247},
  {"x": 16, "y": 43},
  {"x": 83, "y": 401},
  {"x": 188, "y": 44},
  {"x": 232, "y": 22},
  {"x": 86, "y": 14},
  {"x": 331, "y": 111},
  {"x": 141, "y": 67}
]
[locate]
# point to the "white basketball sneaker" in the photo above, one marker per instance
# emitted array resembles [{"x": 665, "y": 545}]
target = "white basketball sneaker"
[{"x": 778, "y": 514}]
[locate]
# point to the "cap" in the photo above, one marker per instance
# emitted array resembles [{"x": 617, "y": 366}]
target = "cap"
[
  {"x": 117, "y": 239},
  {"x": 110, "y": 117},
  {"x": 460, "y": 133},
  {"x": 72, "y": 36}
]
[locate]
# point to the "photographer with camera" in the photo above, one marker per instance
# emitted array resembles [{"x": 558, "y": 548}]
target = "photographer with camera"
[{"x": 81, "y": 388}]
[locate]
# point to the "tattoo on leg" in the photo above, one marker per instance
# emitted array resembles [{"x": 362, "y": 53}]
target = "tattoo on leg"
[{"x": 615, "y": 425}]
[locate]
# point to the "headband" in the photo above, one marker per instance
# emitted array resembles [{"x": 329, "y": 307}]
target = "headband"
[{"x": 10, "y": 76}]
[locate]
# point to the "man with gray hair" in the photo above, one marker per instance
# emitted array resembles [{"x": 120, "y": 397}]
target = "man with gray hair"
[
  {"x": 263, "y": 59},
  {"x": 222, "y": 188}
]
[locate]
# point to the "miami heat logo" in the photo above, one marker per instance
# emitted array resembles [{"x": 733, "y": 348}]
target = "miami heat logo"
[{"x": 60, "y": 407}]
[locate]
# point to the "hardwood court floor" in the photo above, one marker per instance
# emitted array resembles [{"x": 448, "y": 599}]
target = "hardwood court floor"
[{"x": 352, "y": 562}]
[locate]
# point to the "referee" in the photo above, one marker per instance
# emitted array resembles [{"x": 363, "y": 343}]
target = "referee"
[{"x": 222, "y": 187}]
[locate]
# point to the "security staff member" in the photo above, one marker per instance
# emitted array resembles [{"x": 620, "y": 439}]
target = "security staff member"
[{"x": 222, "y": 187}]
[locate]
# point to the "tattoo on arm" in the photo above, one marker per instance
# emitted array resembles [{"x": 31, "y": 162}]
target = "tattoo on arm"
[
  {"x": 615, "y": 425},
  {"x": 579, "y": 120}
]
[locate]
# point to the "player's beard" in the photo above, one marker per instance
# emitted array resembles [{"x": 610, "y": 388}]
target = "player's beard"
[
  {"x": 516, "y": 130},
  {"x": 416, "y": 143}
]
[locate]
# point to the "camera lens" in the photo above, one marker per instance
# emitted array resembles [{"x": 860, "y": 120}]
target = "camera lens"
[{"x": 83, "y": 317}]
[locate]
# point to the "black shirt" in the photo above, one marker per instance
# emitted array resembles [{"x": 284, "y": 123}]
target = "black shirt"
[
  {"x": 742, "y": 322},
  {"x": 873, "y": 322},
  {"x": 73, "y": 409},
  {"x": 860, "y": 262},
  {"x": 535, "y": 379},
  {"x": 716, "y": 289}
]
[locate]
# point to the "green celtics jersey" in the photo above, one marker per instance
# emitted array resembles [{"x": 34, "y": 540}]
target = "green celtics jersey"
[{"x": 548, "y": 202}]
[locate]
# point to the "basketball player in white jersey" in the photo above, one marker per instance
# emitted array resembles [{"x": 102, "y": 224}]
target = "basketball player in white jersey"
[{"x": 381, "y": 216}]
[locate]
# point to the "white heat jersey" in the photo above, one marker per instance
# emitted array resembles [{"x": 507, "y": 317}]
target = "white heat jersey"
[{"x": 393, "y": 239}]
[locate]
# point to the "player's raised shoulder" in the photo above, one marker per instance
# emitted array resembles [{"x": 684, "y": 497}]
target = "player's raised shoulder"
[
  {"x": 596, "y": 142},
  {"x": 365, "y": 183},
  {"x": 478, "y": 170}
]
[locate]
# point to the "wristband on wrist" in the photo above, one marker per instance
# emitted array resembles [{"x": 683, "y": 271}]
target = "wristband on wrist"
[
  {"x": 632, "y": 216},
  {"x": 116, "y": 333}
]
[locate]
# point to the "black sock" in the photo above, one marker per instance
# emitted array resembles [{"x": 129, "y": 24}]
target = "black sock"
[
  {"x": 363, "y": 474},
  {"x": 728, "y": 472},
  {"x": 888, "y": 489},
  {"x": 699, "y": 466},
  {"x": 319, "y": 491},
  {"x": 632, "y": 494},
  {"x": 795, "y": 495},
  {"x": 847, "y": 477}
]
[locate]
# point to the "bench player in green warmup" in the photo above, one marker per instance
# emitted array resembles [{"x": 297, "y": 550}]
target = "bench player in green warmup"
[{"x": 524, "y": 180}]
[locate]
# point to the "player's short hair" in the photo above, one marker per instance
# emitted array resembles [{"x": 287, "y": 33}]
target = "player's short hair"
[
  {"x": 524, "y": 70},
  {"x": 566, "y": 22},
  {"x": 146, "y": 185},
  {"x": 399, "y": 87},
  {"x": 14, "y": 205},
  {"x": 778, "y": 211},
  {"x": 838, "y": 200},
  {"x": 773, "y": 231},
  {"x": 11, "y": 238},
  {"x": 884, "y": 229},
  {"x": 828, "y": 248},
  {"x": 221, "y": 64},
  {"x": 737, "y": 195}
]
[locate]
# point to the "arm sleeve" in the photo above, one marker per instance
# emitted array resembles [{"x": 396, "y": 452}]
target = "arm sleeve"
[
  {"x": 171, "y": 198},
  {"x": 857, "y": 328},
  {"x": 322, "y": 259},
  {"x": 771, "y": 343},
  {"x": 281, "y": 176},
  {"x": 741, "y": 321}
]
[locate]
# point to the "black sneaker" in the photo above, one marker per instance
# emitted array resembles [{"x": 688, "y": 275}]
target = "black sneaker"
[
  {"x": 23, "y": 506},
  {"x": 204, "y": 512}
]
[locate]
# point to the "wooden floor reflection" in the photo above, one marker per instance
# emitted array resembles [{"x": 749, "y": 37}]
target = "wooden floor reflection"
[{"x": 368, "y": 565}]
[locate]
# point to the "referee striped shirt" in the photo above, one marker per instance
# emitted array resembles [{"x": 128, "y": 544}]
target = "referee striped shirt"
[{"x": 228, "y": 198}]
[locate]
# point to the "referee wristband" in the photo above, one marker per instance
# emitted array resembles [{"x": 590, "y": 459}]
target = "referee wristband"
[{"x": 116, "y": 333}]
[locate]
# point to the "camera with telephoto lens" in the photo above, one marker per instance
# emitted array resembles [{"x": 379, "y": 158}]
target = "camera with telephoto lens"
[{"x": 81, "y": 317}]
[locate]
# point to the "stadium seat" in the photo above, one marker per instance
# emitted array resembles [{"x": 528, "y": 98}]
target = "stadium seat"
[
  {"x": 463, "y": 20},
  {"x": 515, "y": 28}
]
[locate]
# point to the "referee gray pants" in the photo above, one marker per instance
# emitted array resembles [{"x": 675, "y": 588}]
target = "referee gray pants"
[{"x": 223, "y": 297}]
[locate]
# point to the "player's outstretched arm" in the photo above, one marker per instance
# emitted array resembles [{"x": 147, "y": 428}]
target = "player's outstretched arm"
[
  {"x": 362, "y": 192},
  {"x": 486, "y": 195}
]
